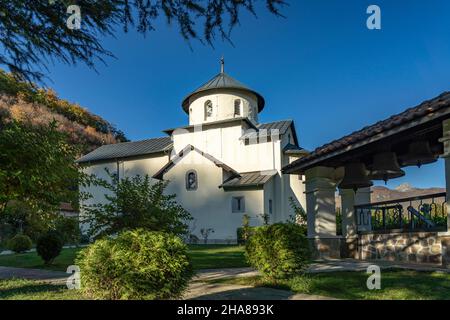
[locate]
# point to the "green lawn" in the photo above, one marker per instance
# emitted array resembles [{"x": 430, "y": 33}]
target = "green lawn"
[
  {"x": 395, "y": 285},
  {"x": 401, "y": 285},
  {"x": 19, "y": 289},
  {"x": 203, "y": 257}
]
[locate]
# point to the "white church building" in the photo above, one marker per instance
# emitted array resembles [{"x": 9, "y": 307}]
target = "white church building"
[{"x": 222, "y": 165}]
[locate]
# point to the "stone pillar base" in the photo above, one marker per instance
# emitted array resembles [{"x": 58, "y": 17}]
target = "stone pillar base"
[
  {"x": 325, "y": 248},
  {"x": 349, "y": 248}
]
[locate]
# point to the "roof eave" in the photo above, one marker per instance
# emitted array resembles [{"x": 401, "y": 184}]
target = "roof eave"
[
  {"x": 296, "y": 167},
  {"x": 260, "y": 99}
]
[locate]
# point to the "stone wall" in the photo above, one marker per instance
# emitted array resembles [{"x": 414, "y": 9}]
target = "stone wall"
[
  {"x": 325, "y": 248},
  {"x": 419, "y": 247}
]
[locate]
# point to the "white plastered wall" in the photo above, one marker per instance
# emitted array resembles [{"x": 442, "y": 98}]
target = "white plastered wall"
[
  {"x": 208, "y": 204},
  {"x": 222, "y": 105}
]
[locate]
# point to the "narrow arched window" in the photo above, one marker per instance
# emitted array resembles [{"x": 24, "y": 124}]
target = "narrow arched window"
[
  {"x": 191, "y": 180},
  {"x": 237, "y": 107},
  {"x": 208, "y": 109}
]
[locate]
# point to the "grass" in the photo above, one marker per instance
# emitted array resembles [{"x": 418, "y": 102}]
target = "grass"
[
  {"x": 217, "y": 256},
  {"x": 395, "y": 285},
  {"x": 20, "y": 289},
  {"x": 32, "y": 260},
  {"x": 203, "y": 257}
]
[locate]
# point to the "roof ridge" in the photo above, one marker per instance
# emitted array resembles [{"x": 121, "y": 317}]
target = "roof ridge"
[{"x": 285, "y": 120}]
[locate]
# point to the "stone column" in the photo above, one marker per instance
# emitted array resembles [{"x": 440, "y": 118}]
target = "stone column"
[
  {"x": 321, "y": 212},
  {"x": 349, "y": 220},
  {"x": 445, "y": 239}
]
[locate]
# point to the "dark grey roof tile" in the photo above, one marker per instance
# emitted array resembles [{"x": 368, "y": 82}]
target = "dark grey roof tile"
[{"x": 128, "y": 149}]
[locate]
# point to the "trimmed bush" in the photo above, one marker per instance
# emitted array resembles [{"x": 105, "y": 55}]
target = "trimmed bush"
[
  {"x": 278, "y": 251},
  {"x": 49, "y": 246},
  {"x": 138, "y": 264},
  {"x": 20, "y": 243}
]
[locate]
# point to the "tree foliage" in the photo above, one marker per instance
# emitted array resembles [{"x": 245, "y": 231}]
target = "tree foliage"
[
  {"x": 35, "y": 32},
  {"x": 40, "y": 104},
  {"x": 37, "y": 167},
  {"x": 132, "y": 203},
  {"x": 49, "y": 246}
]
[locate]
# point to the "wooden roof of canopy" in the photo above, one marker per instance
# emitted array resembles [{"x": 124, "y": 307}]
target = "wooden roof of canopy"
[{"x": 395, "y": 133}]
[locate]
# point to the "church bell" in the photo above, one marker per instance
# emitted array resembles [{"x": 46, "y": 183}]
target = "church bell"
[
  {"x": 355, "y": 177},
  {"x": 419, "y": 154},
  {"x": 385, "y": 166}
]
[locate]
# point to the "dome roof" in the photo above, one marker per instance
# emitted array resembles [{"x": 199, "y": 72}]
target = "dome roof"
[{"x": 223, "y": 81}]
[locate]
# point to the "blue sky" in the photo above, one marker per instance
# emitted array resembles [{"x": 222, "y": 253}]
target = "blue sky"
[{"x": 320, "y": 67}]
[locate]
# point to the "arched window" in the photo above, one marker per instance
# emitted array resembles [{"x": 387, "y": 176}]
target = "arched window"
[
  {"x": 208, "y": 109},
  {"x": 237, "y": 107},
  {"x": 191, "y": 180}
]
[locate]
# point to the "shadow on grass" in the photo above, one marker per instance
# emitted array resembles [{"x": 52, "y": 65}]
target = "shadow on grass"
[
  {"x": 258, "y": 293},
  {"x": 28, "y": 288},
  {"x": 395, "y": 285}
]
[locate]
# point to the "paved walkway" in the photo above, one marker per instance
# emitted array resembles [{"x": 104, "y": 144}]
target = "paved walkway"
[
  {"x": 201, "y": 288},
  {"x": 206, "y": 291},
  {"x": 33, "y": 274},
  {"x": 360, "y": 265}
]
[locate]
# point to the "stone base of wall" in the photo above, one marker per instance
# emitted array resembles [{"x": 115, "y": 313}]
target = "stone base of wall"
[
  {"x": 325, "y": 248},
  {"x": 420, "y": 247},
  {"x": 445, "y": 243},
  {"x": 349, "y": 248}
]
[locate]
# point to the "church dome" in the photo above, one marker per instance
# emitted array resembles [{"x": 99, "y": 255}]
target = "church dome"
[{"x": 223, "y": 81}]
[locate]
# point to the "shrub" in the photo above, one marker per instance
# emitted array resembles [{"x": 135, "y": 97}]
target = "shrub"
[
  {"x": 49, "y": 246},
  {"x": 137, "y": 264},
  {"x": 20, "y": 243},
  {"x": 278, "y": 251}
]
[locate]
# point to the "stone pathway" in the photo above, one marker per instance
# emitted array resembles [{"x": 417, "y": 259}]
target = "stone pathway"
[
  {"x": 205, "y": 291},
  {"x": 201, "y": 289},
  {"x": 48, "y": 276},
  {"x": 360, "y": 265}
]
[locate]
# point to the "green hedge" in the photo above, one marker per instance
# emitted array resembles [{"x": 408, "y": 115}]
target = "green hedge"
[
  {"x": 278, "y": 251},
  {"x": 138, "y": 264}
]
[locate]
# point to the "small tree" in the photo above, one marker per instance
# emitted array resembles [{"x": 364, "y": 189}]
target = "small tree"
[
  {"x": 245, "y": 227},
  {"x": 299, "y": 216},
  {"x": 205, "y": 232},
  {"x": 49, "y": 246},
  {"x": 135, "y": 203},
  {"x": 266, "y": 218}
]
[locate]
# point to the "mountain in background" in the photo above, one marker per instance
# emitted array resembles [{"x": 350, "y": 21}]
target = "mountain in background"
[
  {"x": 405, "y": 190},
  {"x": 26, "y": 102}
]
